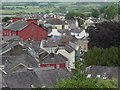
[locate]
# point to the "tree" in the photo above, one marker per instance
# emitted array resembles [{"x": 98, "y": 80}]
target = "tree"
[
  {"x": 71, "y": 15},
  {"x": 104, "y": 35},
  {"x": 110, "y": 12},
  {"x": 79, "y": 80},
  {"x": 102, "y": 9},
  {"x": 95, "y": 12},
  {"x": 102, "y": 57},
  {"x": 6, "y": 19}
]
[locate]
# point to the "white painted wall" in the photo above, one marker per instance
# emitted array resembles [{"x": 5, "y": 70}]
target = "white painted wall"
[
  {"x": 70, "y": 56},
  {"x": 81, "y": 35}
]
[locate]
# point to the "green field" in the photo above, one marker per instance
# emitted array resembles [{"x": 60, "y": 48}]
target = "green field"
[{"x": 13, "y": 8}]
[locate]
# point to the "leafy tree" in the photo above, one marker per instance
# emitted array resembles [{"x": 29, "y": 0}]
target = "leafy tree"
[
  {"x": 71, "y": 15},
  {"x": 6, "y": 19},
  {"x": 31, "y": 4},
  {"x": 110, "y": 12},
  {"x": 102, "y": 9},
  {"x": 119, "y": 10},
  {"x": 95, "y": 12},
  {"x": 79, "y": 80},
  {"x": 103, "y": 57}
]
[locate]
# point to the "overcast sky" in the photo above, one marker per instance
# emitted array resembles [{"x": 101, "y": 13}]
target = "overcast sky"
[{"x": 60, "y": 0}]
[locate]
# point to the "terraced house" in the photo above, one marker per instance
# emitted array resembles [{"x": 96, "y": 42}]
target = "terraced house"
[{"x": 25, "y": 29}]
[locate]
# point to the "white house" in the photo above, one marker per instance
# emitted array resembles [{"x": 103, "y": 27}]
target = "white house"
[{"x": 69, "y": 53}]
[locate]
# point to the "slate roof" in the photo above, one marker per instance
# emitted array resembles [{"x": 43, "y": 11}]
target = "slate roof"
[
  {"x": 8, "y": 45},
  {"x": 25, "y": 59},
  {"x": 16, "y": 26},
  {"x": 69, "y": 49},
  {"x": 72, "y": 23},
  {"x": 5, "y": 38},
  {"x": 22, "y": 80},
  {"x": 35, "y": 78},
  {"x": 74, "y": 39},
  {"x": 52, "y": 42},
  {"x": 110, "y": 72},
  {"x": 66, "y": 31},
  {"x": 77, "y": 30},
  {"x": 56, "y": 22},
  {"x": 50, "y": 77},
  {"x": 32, "y": 44},
  {"x": 53, "y": 58}
]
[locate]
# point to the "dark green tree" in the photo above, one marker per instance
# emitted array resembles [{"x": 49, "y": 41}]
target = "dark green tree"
[
  {"x": 103, "y": 57},
  {"x": 72, "y": 15},
  {"x": 95, "y": 12}
]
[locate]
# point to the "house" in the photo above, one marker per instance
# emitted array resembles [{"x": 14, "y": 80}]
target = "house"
[
  {"x": 73, "y": 23},
  {"x": 11, "y": 48},
  {"x": 33, "y": 48},
  {"x": 60, "y": 16},
  {"x": 56, "y": 60},
  {"x": 54, "y": 33},
  {"x": 68, "y": 52},
  {"x": 34, "y": 78},
  {"x": 19, "y": 62},
  {"x": 78, "y": 33},
  {"x": 104, "y": 72},
  {"x": 26, "y": 30},
  {"x": 83, "y": 43},
  {"x": 50, "y": 44},
  {"x": 57, "y": 24}
]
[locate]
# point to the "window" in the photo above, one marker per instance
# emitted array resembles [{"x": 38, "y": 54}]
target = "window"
[
  {"x": 57, "y": 66},
  {"x": 63, "y": 26},
  {"x": 33, "y": 29}
]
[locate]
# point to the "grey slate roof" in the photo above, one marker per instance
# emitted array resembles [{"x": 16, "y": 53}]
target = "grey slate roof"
[
  {"x": 36, "y": 78},
  {"x": 22, "y": 80},
  {"x": 53, "y": 58},
  {"x": 56, "y": 22},
  {"x": 16, "y": 26},
  {"x": 77, "y": 30},
  {"x": 74, "y": 39},
  {"x": 8, "y": 45},
  {"x": 50, "y": 77},
  {"x": 52, "y": 42},
  {"x": 69, "y": 49},
  {"x": 66, "y": 31},
  {"x": 72, "y": 23},
  {"x": 25, "y": 59},
  {"x": 110, "y": 72},
  {"x": 5, "y": 38}
]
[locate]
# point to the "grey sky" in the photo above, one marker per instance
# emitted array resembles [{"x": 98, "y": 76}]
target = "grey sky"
[{"x": 60, "y": 0}]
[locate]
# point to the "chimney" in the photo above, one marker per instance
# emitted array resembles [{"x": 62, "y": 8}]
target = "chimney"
[
  {"x": 29, "y": 21},
  {"x": 14, "y": 19}
]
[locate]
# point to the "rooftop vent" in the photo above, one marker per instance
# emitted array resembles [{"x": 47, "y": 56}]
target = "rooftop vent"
[
  {"x": 32, "y": 86},
  {"x": 89, "y": 76},
  {"x": 98, "y": 76}
]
